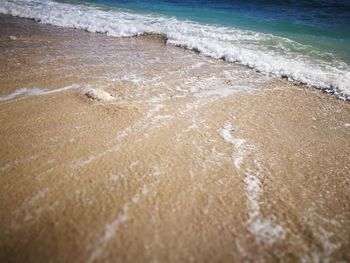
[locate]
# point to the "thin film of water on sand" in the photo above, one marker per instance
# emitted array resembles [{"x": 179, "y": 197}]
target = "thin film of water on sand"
[{"x": 154, "y": 156}]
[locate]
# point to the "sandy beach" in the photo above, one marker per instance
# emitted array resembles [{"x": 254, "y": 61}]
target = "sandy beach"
[{"x": 130, "y": 150}]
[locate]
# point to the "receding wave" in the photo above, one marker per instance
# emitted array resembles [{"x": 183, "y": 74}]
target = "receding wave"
[{"x": 264, "y": 52}]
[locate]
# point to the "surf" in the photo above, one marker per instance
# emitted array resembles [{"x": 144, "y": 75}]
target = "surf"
[{"x": 263, "y": 52}]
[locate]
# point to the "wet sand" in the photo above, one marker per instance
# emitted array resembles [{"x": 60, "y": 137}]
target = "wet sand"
[{"x": 173, "y": 156}]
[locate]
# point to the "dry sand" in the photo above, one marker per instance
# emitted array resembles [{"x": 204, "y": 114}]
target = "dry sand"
[{"x": 172, "y": 156}]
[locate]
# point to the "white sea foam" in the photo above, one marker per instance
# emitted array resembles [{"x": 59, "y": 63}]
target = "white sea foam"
[
  {"x": 112, "y": 227},
  {"x": 265, "y": 229},
  {"x": 109, "y": 232},
  {"x": 96, "y": 94},
  {"x": 34, "y": 92},
  {"x": 245, "y": 47},
  {"x": 239, "y": 144}
]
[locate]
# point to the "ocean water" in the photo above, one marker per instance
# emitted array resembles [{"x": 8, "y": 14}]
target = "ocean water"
[{"x": 304, "y": 41}]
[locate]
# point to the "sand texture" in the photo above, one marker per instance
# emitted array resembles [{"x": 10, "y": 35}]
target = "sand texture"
[{"x": 129, "y": 150}]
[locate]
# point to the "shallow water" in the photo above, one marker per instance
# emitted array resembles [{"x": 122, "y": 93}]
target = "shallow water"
[
  {"x": 302, "y": 42},
  {"x": 129, "y": 150}
]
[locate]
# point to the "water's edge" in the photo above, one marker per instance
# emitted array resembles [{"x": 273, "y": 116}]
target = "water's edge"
[{"x": 228, "y": 44}]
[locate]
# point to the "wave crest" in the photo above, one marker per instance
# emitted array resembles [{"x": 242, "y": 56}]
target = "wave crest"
[{"x": 264, "y": 52}]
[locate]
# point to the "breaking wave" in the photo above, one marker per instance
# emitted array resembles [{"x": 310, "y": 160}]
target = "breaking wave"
[{"x": 266, "y": 53}]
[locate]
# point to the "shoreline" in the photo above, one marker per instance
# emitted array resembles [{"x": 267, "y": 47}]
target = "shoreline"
[
  {"x": 171, "y": 156},
  {"x": 163, "y": 38},
  {"x": 231, "y": 44}
]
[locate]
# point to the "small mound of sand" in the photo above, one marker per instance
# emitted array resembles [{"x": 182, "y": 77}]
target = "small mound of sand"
[{"x": 98, "y": 94}]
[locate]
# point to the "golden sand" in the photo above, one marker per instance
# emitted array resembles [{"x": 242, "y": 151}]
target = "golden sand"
[{"x": 172, "y": 156}]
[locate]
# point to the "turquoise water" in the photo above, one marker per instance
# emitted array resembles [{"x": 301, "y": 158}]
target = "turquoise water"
[{"x": 324, "y": 25}]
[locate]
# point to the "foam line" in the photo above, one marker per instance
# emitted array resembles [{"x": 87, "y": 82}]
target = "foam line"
[
  {"x": 288, "y": 59},
  {"x": 23, "y": 92}
]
